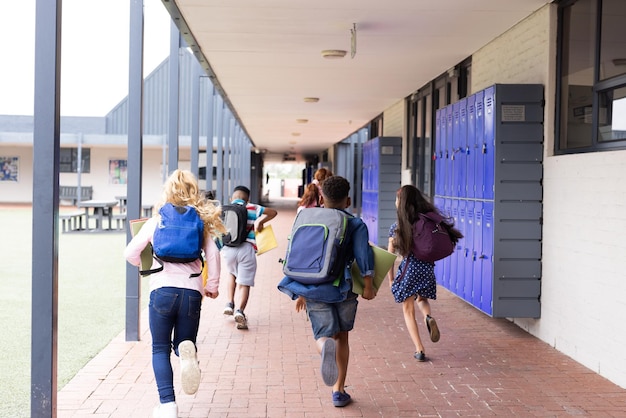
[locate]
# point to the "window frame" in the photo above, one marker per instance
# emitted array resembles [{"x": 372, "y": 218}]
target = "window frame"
[
  {"x": 73, "y": 151},
  {"x": 599, "y": 87}
]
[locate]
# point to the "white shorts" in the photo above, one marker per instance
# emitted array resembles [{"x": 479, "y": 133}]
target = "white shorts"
[{"x": 241, "y": 262}]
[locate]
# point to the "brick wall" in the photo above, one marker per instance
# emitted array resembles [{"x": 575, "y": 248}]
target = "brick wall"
[{"x": 584, "y": 214}]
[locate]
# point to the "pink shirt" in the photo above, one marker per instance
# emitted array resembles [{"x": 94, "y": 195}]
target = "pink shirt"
[{"x": 176, "y": 274}]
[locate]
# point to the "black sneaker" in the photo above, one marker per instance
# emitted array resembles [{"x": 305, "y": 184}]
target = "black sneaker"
[
  {"x": 433, "y": 329},
  {"x": 419, "y": 356}
]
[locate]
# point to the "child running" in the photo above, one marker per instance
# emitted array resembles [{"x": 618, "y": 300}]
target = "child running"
[
  {"x": 331, "y": 307},
  {"x": 415, "y": 279}
]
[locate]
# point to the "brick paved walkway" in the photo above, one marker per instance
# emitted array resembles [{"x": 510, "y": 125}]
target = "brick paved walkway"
[{"x": 480, "y": 367}]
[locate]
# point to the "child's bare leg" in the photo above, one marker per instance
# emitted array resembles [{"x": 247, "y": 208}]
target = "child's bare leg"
[
  {"x": 231, "y": 288},
  {"x": 343, "y": 356},
  {"x": 408, "y": 309},
  {"x": 243, "y": 293},
  {"x": 423, "y": 305}
]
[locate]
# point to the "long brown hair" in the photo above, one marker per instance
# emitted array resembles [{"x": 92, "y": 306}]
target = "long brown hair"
[
  {"x": 411, "y": 202},
  {"x": 310, "y": 197}
]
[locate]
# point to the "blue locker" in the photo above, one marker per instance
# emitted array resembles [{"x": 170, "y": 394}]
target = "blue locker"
[
  {"x": 454, "y": 258},
  {"x": 382, "y": 159},
  {"x": 486, "y": 302},
  {"x": 477, "y": 254},
  {"x": 468, "y": 251},
  {"x": 489, "y": 144},
  {"x": 449, "y": 151},
  {"x": 462, "y": 151},
  {"x": 479, "y": 147},
  {"x": 446, "y": 263},
  {"x": 455, "y": 149},
  {"x": 461, "y": 224},
  {"x": 470, "y": 165},
  {"x": 438, "y": 154},
  {"x": 440, "y": 265},
  {"x": 491, "y": 185}
]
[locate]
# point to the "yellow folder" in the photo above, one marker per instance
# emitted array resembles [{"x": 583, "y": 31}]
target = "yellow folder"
[
  {"x": 146, "y": 254},
  {"x": 265, "y": 240},
  {"x": 383, "y": 262}
]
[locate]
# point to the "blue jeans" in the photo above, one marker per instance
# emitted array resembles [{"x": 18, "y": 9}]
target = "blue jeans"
[{"x": 171, "y": 309}]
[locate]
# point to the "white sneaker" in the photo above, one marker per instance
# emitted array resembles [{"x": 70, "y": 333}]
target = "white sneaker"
[
  {"x": 189, "y": 369},
  {"x": 165, "y": 410}
]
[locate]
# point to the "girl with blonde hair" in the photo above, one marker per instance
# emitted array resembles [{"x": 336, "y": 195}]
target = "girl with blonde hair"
[{"x": 176, "y": 291}]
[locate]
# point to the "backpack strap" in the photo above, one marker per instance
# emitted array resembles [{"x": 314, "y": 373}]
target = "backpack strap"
[
  {"x": 152, "y": 271},
  {"x": 160, "y": 268}
]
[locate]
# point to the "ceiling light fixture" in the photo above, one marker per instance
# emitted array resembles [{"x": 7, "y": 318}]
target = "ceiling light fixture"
[
  {"x": 311, "y": 99},
  {"x": 334, "y": 53}
]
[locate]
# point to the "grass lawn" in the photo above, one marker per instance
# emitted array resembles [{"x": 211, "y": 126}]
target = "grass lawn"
[{"x": 91, "y": 297}]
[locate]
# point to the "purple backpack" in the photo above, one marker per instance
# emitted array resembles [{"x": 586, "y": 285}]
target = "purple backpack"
[{"x": 431, "y": 240}]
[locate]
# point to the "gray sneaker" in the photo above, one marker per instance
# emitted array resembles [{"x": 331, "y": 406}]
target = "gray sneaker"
[
  {"x": 229, "y": 308},
  {"x": 328, "y": 368},
  {"x": 241, "y": 320}
]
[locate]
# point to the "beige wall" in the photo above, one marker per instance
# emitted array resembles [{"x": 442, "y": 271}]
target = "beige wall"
[{"x": 98, "y": 177}]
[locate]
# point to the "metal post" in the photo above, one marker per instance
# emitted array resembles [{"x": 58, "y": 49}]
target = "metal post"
[
  {"x": 45, "y": 241},
  {"x": 195, "y": 117},
  {"x": 135, "y": 160},
  {"x": 174, "y": 66}
]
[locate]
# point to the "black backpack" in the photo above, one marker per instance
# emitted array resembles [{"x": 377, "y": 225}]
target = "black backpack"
[{"x": 235, "y": 219}]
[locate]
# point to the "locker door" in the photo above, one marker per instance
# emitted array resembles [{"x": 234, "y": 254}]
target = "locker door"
[
  {"x": 440, "y": 135},
  {"x": 460, "y": 250},
  {"x": 477, "y": 255},
  {"x": 489, "y": 143},
  {"x": 470, "y": 165},
  {"x": 479, "y": 148},
  {"x": 445, "y": 264},
  {"x": 454, "y": 258},
  {"x": 461, "y": 166},
  {"x": 486, "y": 303},
  {"x": 455, "y": 150},
  {"x": 468, "y": 251},
  {"x": 449, "y": 150}
]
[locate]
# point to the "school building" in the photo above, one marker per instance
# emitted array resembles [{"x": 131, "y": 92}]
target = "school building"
[{"x": 521, "y": 138}]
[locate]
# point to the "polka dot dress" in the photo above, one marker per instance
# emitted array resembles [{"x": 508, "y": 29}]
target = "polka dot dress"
[{"x": 419, "y": 278}]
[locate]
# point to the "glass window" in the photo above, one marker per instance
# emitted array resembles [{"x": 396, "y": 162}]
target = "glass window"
[
  {"x": 613, "y": 39},
  {"x": 68, "y": 160},
  {"x": 612, "y": 115},
  {"x": 592, "y": 63}
]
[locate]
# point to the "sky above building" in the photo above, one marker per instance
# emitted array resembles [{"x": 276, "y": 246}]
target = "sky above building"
[{"x": 94, "y": 53}]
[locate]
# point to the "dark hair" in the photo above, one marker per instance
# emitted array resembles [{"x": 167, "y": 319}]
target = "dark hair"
[
  {"x": 335, "y": 188},
  {"x": 412, "y": 202},
  {"x": 242, "y": 189}
]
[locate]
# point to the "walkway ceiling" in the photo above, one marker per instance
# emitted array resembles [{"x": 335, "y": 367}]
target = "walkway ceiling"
[{"x": 266, "y": 57}]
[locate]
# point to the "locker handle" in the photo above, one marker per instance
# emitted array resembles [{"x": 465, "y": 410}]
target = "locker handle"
[{"x": 484, "y": 150}]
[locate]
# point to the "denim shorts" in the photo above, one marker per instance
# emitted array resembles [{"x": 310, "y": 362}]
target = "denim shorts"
[{"x": 327, "y": 319}]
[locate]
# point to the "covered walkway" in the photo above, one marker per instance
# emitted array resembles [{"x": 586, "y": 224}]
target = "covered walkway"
[{"x": 480, "y": 367}]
